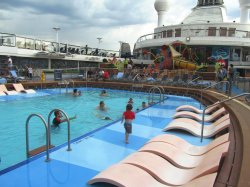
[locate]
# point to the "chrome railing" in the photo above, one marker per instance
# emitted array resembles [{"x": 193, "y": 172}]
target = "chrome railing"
[
  {"x": 228, "y": 91},
  {"x": 47, "y": 135},
  {"x": 12, "y": 40},
  {"x": 193, "y": 80},
  {"x": 49, "y": 127},
  {"x": 193, "y": 32},
  {"x": 217, "y": 103},
  {"x": 152, "y": 92},
  {"x": 243, "y": 83}
]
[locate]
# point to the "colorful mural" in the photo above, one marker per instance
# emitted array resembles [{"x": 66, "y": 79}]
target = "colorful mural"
[
  {"x": 220, "y": 55},
  {"x": 180, "y": 56}
]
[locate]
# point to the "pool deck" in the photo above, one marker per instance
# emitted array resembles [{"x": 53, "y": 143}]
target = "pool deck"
[
  {"x": 95, "y": 151},
  {"x": 236, "y": 166}
]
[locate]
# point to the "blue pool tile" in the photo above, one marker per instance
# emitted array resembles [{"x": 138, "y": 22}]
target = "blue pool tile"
[
  {"x": 139, "y": 130},
  {"x": 155, "y": 122},
  {"x": 168, "y": 107},
  {"x": 118, "y": 138},
  {"x": 156, "y": 112},
  {"x": 94, "y": 152},
  {"x": 53, "y": 173}
]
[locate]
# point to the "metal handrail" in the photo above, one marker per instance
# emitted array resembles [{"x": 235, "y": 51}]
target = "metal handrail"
[
  {"x": 217, "y": 103},
  {"x": 67, "y": 120},
  {"x": 47, "y": 135},
  {"x": 150, "y": 91},
  {"x": 64, "y": 82},
  {"x": 163, "y": 92},
  {"x": 136, "y": 76},
  {"x": 210, "y": 86},
  {"x": 73, "y": 83},
  {"x": 197, "y": 78}
]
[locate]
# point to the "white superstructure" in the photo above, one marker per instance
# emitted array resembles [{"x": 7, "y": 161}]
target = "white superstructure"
[{"x": 205, "y": 28}]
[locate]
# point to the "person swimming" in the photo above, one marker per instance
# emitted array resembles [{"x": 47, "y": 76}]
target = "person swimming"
[
  {"x": 130, "y": 101},
  {"x": 102, "y": 106},
  {"x": 76, "y": 92},
  {"x": 103, "y": 93},
  {"x": 103, "y": 110},
  {"x": 106, "y": 118}
]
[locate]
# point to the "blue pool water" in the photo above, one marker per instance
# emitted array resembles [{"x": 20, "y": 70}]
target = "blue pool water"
[{"x": 15, "y": 110}]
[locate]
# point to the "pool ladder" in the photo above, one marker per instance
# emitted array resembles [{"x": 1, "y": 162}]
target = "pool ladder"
[
  {"x": 48, "y": 135},
  {"x": 152, "y": 93}
]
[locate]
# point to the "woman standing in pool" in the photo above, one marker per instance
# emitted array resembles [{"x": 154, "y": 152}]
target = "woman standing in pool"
[{"x": 128, "y": 116}]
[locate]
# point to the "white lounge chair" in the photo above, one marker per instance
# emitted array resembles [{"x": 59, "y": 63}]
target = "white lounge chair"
[
  {"x": 196, "y": 110},
  {"x": 168, "y": 174},
  {"x": 197, "y": 117},
  {"x": 3, "y": 90},
  {"x": 187, "y": 147},
  {"x": 179, "y": 158},
  {"x": 19, "y": 88},
  {"x": 194, "y": 127},
  {"x": 127, "y": 175}
]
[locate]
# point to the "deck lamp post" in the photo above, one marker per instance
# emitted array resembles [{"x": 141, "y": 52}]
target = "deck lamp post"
[
  {"x": 57, "y": 41},
  {"x": 99, "y": 41}
]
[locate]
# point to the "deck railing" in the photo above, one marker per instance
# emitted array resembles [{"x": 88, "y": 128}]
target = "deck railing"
[
  {"x": 215, "y": 104},
  {"x": 12, "y": 40}
]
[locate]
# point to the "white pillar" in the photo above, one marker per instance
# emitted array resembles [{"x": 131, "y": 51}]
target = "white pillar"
[
  {"x": 49, "y": 63},
  {"x": 244, "y": 15},
  {"x": 161, "y": 18}
]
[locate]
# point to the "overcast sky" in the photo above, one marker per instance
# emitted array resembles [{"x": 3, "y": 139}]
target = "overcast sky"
[{"x": 83, "y": 21}]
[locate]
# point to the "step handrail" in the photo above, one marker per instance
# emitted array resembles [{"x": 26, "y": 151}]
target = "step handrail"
[
  {"x": 217, "y": 103},
  {"x": 136, "y": 76},
  {"x": 68, "y": 122},
  {"x": 63, "y": 82},
  {"x": 195, "y": 79},
  {"x": 155, "y": 87},
  {"x": 73, "y": 83},
  {"x": 27, "y": 135},
  {"x": 210, "y": 86}
]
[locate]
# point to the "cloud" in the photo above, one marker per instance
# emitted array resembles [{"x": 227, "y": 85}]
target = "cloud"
[{"x": 82, "y": 21}]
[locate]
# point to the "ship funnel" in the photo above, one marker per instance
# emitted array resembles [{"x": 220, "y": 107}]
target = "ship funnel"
[
  {"x": 244, "y": 11},
  {"x": 161, "y": 6}
]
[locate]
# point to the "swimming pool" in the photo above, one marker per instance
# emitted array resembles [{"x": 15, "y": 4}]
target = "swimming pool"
[
  {"x": 15, "y": 110},
  {"x": 95, "y": 151}
]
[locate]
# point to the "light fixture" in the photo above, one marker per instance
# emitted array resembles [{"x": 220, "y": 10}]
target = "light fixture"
[{"x": 187, "y": 39}]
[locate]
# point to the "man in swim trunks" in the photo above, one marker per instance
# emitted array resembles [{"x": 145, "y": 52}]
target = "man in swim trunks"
[{"x": 128, "y": 116}]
